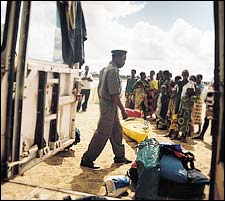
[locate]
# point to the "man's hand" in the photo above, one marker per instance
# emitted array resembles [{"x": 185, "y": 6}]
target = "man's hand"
[
  {"x": 116, "y": 100},
  {"x": 124, "y": 114}
]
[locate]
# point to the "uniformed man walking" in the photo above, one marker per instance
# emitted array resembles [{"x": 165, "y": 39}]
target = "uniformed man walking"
[{"x": 109, "y": 126}]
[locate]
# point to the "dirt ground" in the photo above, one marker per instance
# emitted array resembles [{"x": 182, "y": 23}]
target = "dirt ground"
[{"x": 63, "y": 169}]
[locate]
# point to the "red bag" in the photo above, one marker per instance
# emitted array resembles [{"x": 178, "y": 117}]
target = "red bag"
[{"x": 133, "y": 113}]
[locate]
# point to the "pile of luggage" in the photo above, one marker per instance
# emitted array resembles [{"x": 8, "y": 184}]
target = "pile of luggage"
[{"x": 167, "y": 170}]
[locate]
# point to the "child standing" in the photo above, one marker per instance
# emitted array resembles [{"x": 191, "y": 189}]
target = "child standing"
[
  {"x": 184, "y": 114},
  {"x": 161, "y": 110}
]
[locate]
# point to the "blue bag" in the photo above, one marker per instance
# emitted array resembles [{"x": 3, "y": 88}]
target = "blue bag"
[{"x": 172, "y": 169}]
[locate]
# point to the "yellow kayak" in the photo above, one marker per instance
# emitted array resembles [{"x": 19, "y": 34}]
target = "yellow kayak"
[{"x": 136, "y": 128}]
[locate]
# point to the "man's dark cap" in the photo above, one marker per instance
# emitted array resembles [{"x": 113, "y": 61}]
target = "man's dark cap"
[{"x": 118, "y": 52}]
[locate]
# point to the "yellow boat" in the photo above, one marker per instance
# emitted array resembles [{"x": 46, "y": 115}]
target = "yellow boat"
[{"x": 136, "y": 128}]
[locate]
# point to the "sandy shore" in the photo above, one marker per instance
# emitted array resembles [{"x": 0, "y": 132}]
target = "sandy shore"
[{"x": 63, "y": 170}]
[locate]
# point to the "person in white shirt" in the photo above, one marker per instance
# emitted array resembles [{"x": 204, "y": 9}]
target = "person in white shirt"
[
  {"x": 86, "y": 79},
  {"x": 188, "y": 84}
]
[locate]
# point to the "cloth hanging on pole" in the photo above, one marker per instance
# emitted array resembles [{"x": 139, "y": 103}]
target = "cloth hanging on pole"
[{"x": 73, "y": 30}]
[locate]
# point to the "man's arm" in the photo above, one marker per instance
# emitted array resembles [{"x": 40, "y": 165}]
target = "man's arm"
[
  {"x": 117, "y": 101},
  {"x": 89, "y": 79},
  {"x": 126, "y": 89}
]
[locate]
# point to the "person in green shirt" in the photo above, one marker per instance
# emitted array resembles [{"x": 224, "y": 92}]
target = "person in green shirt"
[
  {"x": 129, "y": 91},
  {"x": 109, "y": 127}
]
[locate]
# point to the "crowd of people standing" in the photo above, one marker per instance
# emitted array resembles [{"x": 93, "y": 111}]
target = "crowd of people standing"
[{"x": 175, "y": 104}]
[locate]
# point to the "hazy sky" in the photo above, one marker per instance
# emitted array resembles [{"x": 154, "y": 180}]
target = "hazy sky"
[
  {"x": 158, "y": 35},
  {"x": 164, "y": 13}
]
